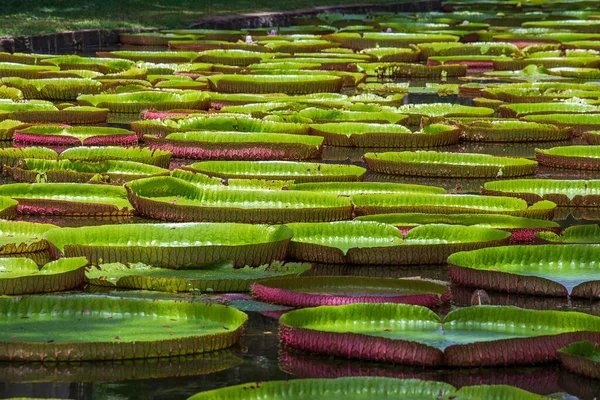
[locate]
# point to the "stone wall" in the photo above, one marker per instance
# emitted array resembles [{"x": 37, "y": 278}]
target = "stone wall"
[{"x": 90, "y": 40}]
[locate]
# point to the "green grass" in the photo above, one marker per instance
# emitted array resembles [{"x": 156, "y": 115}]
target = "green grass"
[{"x": 29, "y": 17}]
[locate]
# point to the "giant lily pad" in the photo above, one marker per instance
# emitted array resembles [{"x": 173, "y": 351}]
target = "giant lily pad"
[
  {"x": 22, "y": 275},
  {"x": 367, "y": 204},
  {"x": 159, "y": 158},
  {"x": 74, "y": 136},
  {"x": 573, "y": 234},
  {"x": 112, "y": 172},
  {"x": 327, "y": 115},
  {"x": 54, "y": 89},
  {"x": 46, "y": 112},
  {"x": 512, "y": 131},
  {"x": 237, "y": 145},
  {"x": 517, "y": 110},
  {"x": 385, "y": 135},
  {"x": 104, "y": 65},
  {"x": 465, "y": 49},
  {"x": 7, "y": 128},
  {"x": 158, "y": 100},
  {"x": 290, "y": 84},
  {"x": 173, "y": 199},
  {"x": 120, "y": 370},
  {"x": 419, "y": 71},
  {"x": 437, "y": 111},
  {"x": 579, "y": 123},
  {"x": 579, "y": 193},
  {"x": 12, "y": 69},
  {"x": 37, "y": 328},
  {"x": 550, "y": 270},
  {"x": 406, "y": 334},
  {"x": 570, "y": 157},
  {"x": 280, "y": 170},
  {"x": 152, "y": 56},
  {"x": 173, "y": 245},
  {"x": 352, "y": 188},
  {"x": 521, "y": 229},
  {"x": 240, "y": 58},
  {"x": 339, "y": 290},
  {"x": 11, "y": 155},
  {"x": 8, "y": 207},
  {"x": 22, "y": 237},
  {"x": 334, "y": 389},
  {"x": 221, "y": 277},
  {"x": 373, "y": 243},
  {"x": 70, "y": 199},
  {"x": 424, "y": 163},
  {"x": 582, "y": 358},
  {"x": 216, "y": 122},
  {"x": 367, "y": 40}
]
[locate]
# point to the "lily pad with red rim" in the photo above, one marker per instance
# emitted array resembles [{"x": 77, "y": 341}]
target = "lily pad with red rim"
[
  {"x": 415, "y": 335},
  {"x": 545, "y": 270}
]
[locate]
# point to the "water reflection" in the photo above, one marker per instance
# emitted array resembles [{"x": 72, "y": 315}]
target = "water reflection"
[
  {"x": 436, "y": 272},
  {"x": 542, "y": 380},
  {"x": 116, "y": 371},
  {"x": 461, "y": 297},
  {"x": 525, "y": 149}
]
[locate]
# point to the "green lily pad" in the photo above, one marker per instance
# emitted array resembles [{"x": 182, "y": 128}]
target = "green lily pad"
[
  {"x": 340, "y": 388},
  {"x": 279, "y": 170},
  {"x": 222, "y": 277},
  {"x": 104, "y": 65},
  {"x": 113, "y": 172},
  {"x": 54, "y": 135},
  {"x": 405, "y": 334},
  {"x": 11, "y": 155},
  {"x": 151, "y": 56},
  {"x": 160, "y": 158},
  {"x": 22, "y": 237},
  {"x": 424, "y": 163},
  {"x": 22, "y": 275},
  {"x": 36, "y": 328},
  {"x": 289, "y": 84},
  {"x": 373, "y": 243},
  {"x": 522, "y": 229},
  {"x": 367, "y": 204},
  {"x": 139, "y": 101},
  {"x": 570, "y": 157},
  {"x": 573, "y": 234},
  {"x": 512, "y": 131},
  {"x": 173, "y": 245},
  {"x": 581, "y": 193},
  {"x": 550, "y": 270},
  {"x": 367, "y": 40},
  {"x": 465, "y": 49},
  {"x": 68, "y": 199},
  {"x": 356, "y": 134},
  {"x": 326, "y": 115},
  {"x": 54, "y": 89},
  {"x": 46, "y": 112},
  {"x": 582, "y": 358},
  {"x": 237, "y": 145},
  {"x": 352, "y": 188},
  {"x": 173, "y": 199}
]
